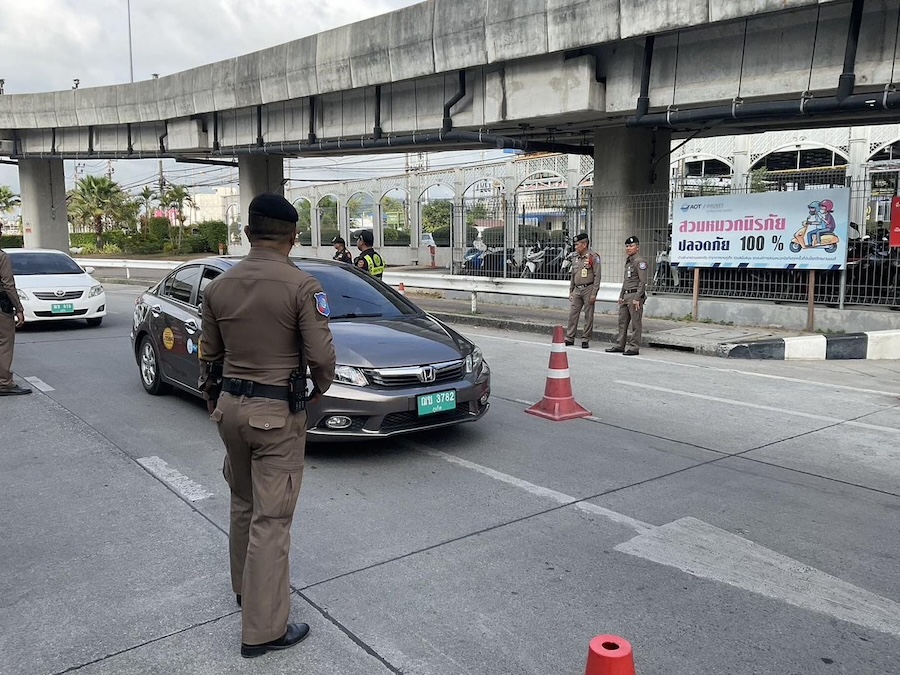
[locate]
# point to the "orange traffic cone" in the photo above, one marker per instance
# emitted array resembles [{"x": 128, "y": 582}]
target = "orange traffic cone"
[
  {"x": 401, "y": 289},
  {"x": 558, "y": 403},
  {"x": 609, "y": 655}
]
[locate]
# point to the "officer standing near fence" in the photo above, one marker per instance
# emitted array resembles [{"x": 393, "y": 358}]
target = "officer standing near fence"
[
  {"x": 369, "y": 259},
  {"x": 341, "y": 254},
  {"x": 583, "y": 287},
  {"x": 631, "y": 300},
  {"x": 12, "y": 316},
  {"x": 264, "y": 321}
]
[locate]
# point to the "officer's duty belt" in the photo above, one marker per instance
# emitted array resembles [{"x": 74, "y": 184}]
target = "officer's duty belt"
[
  {"x": 583, "y": 285},
  {"x": 251, "y": 389}
]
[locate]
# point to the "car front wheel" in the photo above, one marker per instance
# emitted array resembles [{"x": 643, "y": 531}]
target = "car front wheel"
[
  {"x": 95, "y": 321},
  {"x": 151, "y": 377}
]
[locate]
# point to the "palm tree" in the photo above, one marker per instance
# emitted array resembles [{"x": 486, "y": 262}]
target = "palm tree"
[
  {"x": 146, "y": 197},
  {"x": 177, "y": 197},
  {"x": 8, "y": 199},
  {"x": 98, "y": 201}
]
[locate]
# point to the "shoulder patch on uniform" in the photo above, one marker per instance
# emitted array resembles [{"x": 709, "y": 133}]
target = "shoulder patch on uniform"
[
  {"x": 642, "y": 265},
  {"x": 322, "y": 305}
]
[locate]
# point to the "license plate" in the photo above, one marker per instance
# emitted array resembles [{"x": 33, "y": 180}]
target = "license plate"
[
  {"x": 62, "y": 308},
  {"x": 436, "y": 402}
]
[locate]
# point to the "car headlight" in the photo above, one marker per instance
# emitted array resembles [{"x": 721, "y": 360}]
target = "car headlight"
[
  {"x": 22, "y": 294},
  {"x": 474, "y": 360},
  {"x": 350, "y": 375},
  {"x": 95, "y": 291}
]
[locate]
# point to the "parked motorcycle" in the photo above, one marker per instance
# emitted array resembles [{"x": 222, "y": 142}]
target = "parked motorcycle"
[
  {"x": 533, "y": 261},
  {"x": 474, "y": 258},
  {"x": 666, "y": 274}
]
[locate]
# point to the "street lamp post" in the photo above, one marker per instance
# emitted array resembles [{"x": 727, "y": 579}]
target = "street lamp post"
[{"x": 130, "y": 55}]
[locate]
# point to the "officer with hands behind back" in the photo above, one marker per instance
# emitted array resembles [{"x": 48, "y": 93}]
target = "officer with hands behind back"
[
  {"x": 264, "y": 320},
  {"x": 631, "y": 300},
  {"x": 369, "y": 259},
  {"x": 583, "y": 288}
]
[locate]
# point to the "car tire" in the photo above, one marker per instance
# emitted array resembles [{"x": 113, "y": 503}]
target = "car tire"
[
  {"x": 148, "y": 363},
  {"x": 96, "y": 321}
]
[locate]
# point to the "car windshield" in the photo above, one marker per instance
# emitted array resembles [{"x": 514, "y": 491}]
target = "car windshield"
[
  {"x": 25, "y": 264},
  {"x": 353, "y": 296}
]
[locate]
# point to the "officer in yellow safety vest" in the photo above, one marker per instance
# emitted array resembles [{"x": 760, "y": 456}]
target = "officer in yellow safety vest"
[{"x": 369, "y": 259}]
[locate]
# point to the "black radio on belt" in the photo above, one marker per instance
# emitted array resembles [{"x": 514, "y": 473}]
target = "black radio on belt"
[{"x": 297, "y": 391}]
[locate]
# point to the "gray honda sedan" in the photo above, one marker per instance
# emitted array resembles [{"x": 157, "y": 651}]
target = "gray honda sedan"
[{"x": 399, "y": 370}]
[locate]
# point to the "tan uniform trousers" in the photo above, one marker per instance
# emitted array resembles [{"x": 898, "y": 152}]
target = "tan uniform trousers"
[
  {"x": 265, "y": 447},
  {"x": 628, "y": 314},
  {"x": 578, "y": 300},
  {"x": 7, "y": 344}
]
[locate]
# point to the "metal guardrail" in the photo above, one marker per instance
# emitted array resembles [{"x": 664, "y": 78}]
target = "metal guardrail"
[{"x": 540, "y": 288}]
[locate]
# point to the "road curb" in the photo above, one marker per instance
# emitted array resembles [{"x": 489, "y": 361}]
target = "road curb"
[{"x": 871, "y": 345}]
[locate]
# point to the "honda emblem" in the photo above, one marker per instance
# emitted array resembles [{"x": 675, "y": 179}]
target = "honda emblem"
[{"x": 427, "y": 374}]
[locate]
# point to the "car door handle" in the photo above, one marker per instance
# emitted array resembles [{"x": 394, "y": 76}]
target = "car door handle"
[
  {"x": 155, "y": 310},
  {"x": 191, "y": 327}
]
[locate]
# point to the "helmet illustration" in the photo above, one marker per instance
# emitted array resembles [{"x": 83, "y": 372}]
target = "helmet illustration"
[
  {"x": 827, "y": 204},
  {"x": 813, "y": 205}
]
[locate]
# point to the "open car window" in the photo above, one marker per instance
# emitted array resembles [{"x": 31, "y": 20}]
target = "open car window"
[
  {"x": 352, "y": 295},
  {"x": 209, "y": 273}
]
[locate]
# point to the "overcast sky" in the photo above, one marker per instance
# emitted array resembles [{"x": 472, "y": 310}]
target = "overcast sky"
[{"x": 44, "y": 44}]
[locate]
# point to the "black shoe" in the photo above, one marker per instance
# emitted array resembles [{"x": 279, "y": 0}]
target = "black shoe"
[
  {"x": 237, "y": 596},
  {"x": 585, "y": 345},
  {"x": 15, "y": 390},
  {"x": 294, "y": 634},
  {"x": 569, "y": 343},
  {"x": 630, "y": 352},
  {"x": 613, "y": 350}
]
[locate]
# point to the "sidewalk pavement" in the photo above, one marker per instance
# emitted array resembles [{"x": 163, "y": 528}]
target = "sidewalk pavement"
[{"x": 701, "y": 338}]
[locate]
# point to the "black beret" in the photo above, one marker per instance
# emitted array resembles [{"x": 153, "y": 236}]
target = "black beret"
[
  {"x": 270, "y": 205},
  {"x": 339, "y": 240},
  {"x": 581, "y": 236},
  {"x": 367, "y": 237},
  {"x": 632, "y": 240}
]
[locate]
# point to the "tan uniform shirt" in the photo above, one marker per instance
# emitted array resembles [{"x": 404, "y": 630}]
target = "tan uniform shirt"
[
  {"x": 8, "y": 282},
  {"x": 586, "y": 272},
  {"x": 258, "y": 315},
  {"x": 635, "y": 276}
]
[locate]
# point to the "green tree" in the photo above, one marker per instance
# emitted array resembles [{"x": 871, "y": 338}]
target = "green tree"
[
  {"x": 99, "y": 202},
  {"x": 304, "y": 224},
  {"x": 328, "y": 213},
  {"x": 437, "y": 214},
  {"x": 146, "y": 197},
  {"x": 177, "y": 197},
  {"x": 758, "y": 180},
  {"x": 478, "y": 212},
  {"x": 8, "y": 199}
]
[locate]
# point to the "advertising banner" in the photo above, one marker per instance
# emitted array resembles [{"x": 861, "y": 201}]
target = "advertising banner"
[
  {"x": 895, "y": 222},
  {"x": 804, "y": 229}
]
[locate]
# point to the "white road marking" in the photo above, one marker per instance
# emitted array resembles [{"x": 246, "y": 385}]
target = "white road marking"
[
  {"x": 187, "y": 488},
  {"x": 701, "y": 366},
  {"x": 703, "y": 550},
  {"x": 756, "y": 406},
  {"x": 540, "y": 491},
  {"x": 39, "y": 384},
  {"x": 706, "y": 551}
]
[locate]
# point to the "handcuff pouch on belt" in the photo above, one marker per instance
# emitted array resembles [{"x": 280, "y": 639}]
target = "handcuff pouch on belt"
[{"x": 213, "y": 382}]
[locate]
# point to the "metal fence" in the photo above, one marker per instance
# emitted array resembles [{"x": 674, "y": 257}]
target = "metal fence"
[{"x": 531, "y": 236}]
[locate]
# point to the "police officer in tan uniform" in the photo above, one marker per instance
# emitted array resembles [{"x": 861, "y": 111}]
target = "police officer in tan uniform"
[
  {"x": 583, "y": 287},
  {"x": 631, "y": 300},
  {"x": 12, "y": 316},
  {"x": 262, "y": 318}
]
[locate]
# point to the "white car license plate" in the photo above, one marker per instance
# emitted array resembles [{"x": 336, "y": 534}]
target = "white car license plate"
[{"x": 62, "y": 308}]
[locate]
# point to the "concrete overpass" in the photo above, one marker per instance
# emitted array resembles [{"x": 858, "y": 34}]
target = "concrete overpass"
[{"x": 612, "y": 78}]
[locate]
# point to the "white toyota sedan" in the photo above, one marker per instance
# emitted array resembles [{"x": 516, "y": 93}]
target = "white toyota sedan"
[{"x": 52, "y": 286}]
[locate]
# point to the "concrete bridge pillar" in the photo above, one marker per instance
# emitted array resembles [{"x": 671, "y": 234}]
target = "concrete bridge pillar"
[
  {"x": 631, "y": 193},
  {"x": 45, "y": 224},
  {"x": 257, "y": 174},
  {"x": 857, "y": 175},
  {"x": 740, "y": 175}
]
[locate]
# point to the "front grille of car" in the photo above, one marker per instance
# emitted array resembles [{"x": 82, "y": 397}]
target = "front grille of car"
[
  {"x": 68, "y": 295},
  {"x": 77, "y": 312},
  {"x": 449, "y": 371},
  {"x": 410, "y": 419}
]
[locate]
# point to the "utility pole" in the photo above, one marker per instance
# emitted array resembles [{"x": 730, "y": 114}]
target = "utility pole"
[{"x": 109, "y": 169}]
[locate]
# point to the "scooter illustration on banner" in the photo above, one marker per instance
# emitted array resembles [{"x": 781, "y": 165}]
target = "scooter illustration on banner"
[{"x": 817, "y": 230}]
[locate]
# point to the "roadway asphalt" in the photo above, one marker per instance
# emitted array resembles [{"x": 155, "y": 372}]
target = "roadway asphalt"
[{"x": 724, "y": 519}]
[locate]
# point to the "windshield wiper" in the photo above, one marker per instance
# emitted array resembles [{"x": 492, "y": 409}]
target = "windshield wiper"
[{"x": 352, "y": 315}]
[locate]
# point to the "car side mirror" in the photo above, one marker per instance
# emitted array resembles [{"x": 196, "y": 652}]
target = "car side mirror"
[{"x": 89, "y": 270}]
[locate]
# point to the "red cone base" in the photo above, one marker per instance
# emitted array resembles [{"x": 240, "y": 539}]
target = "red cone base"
[
  {"x": 609, "y": 655},
  {"x": 558, "y": 403}
]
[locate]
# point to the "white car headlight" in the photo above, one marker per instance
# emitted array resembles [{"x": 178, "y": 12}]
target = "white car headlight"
[
  {"x": 474, "y": 360},
  {"x": 95, "y": 291},
  {"x": 22, "y": 294},
  {"x": 350, "y": 375}
]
